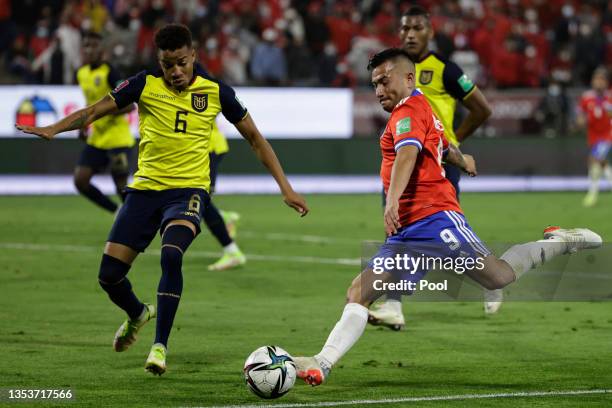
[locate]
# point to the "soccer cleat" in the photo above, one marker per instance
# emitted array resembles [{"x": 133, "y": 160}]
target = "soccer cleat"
[
  {"x": 231, "y": 220},
  {"x": 493, "y": 300},
  {"x": 590, "y": 199},
  {"x": 228, "y": 260},
  {"x": 156, "y": 362},
  {"x": 312, "y": 370},
  {"x": 576, "y": 238},
  {"x": 386, "y": 315},
  {"x": 126, "y": 335}
]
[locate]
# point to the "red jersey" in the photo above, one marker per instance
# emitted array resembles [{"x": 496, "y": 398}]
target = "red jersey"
[
  {"x": 598, "y": 113},
  {"x": 413, "y": 122}
]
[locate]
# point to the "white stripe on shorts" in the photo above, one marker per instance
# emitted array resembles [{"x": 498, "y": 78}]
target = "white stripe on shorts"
[{"x": 469, "y": 236}]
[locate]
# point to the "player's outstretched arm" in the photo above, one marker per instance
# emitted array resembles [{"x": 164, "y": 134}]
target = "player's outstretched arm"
[
  {"x": 400, "y": 176},
  {"x": 77, "y": 120},
  {"x": 266, "y": 155},
  {"x": 479, "y": 111},
  {"x": 465, "y": 162}
]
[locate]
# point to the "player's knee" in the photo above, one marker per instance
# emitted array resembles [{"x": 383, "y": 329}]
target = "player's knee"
[
  {"x": 175, "y": 241},
  {"x": 353, "y": 293},
  {"x": 112, "y": 271},
  {"x": 171, "y": 258},
  {"x": 81, "y": 182}
]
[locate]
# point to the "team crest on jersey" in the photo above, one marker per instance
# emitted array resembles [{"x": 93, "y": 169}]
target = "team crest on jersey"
[
  {"x": 97, "y": 80},
  {"x": 199, "y": 102},
  {"x": 425, "y": 77}
]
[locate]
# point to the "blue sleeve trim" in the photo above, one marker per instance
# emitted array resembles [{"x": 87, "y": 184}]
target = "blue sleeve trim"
[{"x": 409, "y": 141}]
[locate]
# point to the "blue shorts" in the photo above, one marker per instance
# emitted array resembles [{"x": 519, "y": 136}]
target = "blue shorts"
[
  {"x": 600, "y": 150},
  {"x": 99, "y": 159},
  {"x": 443, "y": 235},
  {"x": 145, "y": 212}
]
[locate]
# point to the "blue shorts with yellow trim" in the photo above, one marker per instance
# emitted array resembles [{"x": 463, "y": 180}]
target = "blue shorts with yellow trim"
[{"x": 145, "y": 212}]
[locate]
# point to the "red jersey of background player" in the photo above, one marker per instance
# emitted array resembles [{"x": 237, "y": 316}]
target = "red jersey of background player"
[
  {"x": 598, "y": 112},
  {"x": 413, "y": 122}
]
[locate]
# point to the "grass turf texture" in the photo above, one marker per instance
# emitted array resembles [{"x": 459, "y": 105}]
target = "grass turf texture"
[{"x": 57, "y": 324}]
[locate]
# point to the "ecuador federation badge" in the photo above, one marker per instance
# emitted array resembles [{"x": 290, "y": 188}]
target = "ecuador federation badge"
[
  {"x": 199, "y": 102},
  {"x": 425, "y": 77}
]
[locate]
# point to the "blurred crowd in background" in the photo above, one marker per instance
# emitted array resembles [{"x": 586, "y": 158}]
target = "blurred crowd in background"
[{"x": 499, "y": 43}]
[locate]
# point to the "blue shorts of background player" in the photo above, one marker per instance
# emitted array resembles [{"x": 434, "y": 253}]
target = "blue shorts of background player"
[
  {"x": 445, "y": 234},
  {"x": 146, "y": 211},
  {"x": 600, "y": 150},
  {"x": 99, "y": 159}
]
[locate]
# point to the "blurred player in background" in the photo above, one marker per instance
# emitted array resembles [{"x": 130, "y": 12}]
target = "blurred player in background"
[
  {"x": 443, "y": 83},
  {"x": 222, "y": 224},
  {"x": 177, "y": 108},
  {"x": 595, "y": 112},
  {"x": 422, "y": 208},
  {"x": 110, "y": 141}
]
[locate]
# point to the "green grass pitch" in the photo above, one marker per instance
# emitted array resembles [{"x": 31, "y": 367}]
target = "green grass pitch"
[{"x": 57, "y": 324}]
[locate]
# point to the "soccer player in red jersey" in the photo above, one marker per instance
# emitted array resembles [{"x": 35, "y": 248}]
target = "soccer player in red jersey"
[
  {"x": 422, "y": 208},
  {"x": 595, "y": 111}
]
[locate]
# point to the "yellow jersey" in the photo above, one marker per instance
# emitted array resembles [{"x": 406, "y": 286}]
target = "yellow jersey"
[
  {"x": 218, "y": 142},
  {"x": 112, "y": 131},
  {"x": 176, "y": 127},
  {"x": 443, "y": 83}
]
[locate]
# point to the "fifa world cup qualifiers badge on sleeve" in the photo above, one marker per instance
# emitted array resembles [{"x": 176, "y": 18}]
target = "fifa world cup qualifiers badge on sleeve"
[{"x": 36, "y": 394}]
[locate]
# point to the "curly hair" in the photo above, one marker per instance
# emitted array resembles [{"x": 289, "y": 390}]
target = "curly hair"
[{"x": 172, "y": 37}]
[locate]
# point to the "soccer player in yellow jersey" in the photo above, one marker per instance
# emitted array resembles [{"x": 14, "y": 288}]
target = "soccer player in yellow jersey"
[
  {"x": 222, "y": 224},
  {"x": 443, "y": 83},
  {"x": 110, "y": 141},
  {"x": 177, "y": 107}
]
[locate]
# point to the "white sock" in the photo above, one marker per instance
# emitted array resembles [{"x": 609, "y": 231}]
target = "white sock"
[
  {"x": 347, "y": 331},
  {"x": 524, "y": 257},
  {"x": 594, "y": 175},
  {"x": 231, "y": 248}
]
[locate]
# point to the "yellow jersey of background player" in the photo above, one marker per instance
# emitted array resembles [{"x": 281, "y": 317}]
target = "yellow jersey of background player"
[
  {"x": 110, "y": 140},
  {"x": 442, "y": 82}
]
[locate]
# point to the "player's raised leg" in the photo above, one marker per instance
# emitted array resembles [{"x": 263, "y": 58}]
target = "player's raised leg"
[
  {"x": 82, "y": 182},
  {"x": 176, "y": 238},
  {"x": 519, "y": 259}
]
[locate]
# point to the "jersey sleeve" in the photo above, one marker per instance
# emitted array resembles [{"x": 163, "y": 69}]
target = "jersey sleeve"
[
  {"x": 231, "y": 107},
  {"x": 408, "y": 127},
  {"x": 113, "y": 77},
  {"x": 456, "y": 82},
  {"x": 129, "y": 91}
]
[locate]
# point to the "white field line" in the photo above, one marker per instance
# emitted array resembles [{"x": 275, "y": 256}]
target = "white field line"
[
  {"x": 313, "y": 239},
  {"x": 197, "y": 254},
  {"x": 460, "y": 397}
]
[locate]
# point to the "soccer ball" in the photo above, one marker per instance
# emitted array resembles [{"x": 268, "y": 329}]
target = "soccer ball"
[{"x": 269, "y": 372}]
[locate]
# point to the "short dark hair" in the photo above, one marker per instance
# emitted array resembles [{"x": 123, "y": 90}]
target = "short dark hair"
[
  {"x": 385, "y": 55},
  {"x": 416, "y": 10},
  {"x": 172, "y": 37}
]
